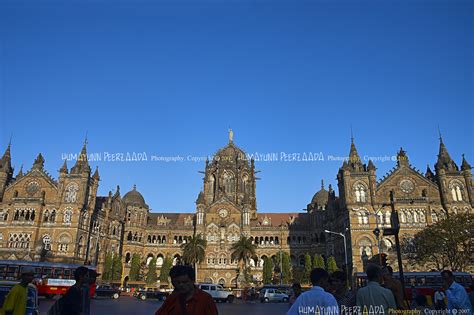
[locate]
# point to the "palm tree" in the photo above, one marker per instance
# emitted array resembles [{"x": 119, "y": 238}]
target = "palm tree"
[
  {"x": 194, "y": 251},
  {"x": 243, "y": 250}
]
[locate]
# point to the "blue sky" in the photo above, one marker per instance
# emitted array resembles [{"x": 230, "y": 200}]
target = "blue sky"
[{"x": 169, "y": 78}]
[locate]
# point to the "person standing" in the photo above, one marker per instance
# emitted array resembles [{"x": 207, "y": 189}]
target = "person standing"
[
  {"x": 345, "y": 299},
  {"x": 316, "y": 300},
  {"x": 373, "y": 298},
  {"x": 15, "y": 301},
  {"x": 393, "y": 285},
  {"x": 72, "y": 302},
  {"x": 439, "y": 299},
  {"x": 186, "y": 297},
  {"x": 458, "y": 301}
]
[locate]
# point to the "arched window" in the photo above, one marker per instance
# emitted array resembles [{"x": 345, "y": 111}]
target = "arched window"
[
  {"x": 127, "y": 258},
  {"x": 47, "y": 242},
  {"x": 64, "y": 241},
  {"x": 360, "y": 192},
  {"x": 363, "y": 217},
  {"x": 228, "y": 182},
  {"x": 52, "y": 217},
  {"x": 456, "y": 190},
  {"x": 71, "y": 193},
  {"x": 67, "y": 218}
]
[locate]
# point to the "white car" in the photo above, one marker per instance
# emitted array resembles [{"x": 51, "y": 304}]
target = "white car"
[
  {"x": 270, "y": 294},
  {"x": 217, "y": 292}
]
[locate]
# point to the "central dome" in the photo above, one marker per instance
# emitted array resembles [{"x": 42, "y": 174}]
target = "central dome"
[
  {"x": 134, "y": 198},
  {"x": 230, "y": 153}
]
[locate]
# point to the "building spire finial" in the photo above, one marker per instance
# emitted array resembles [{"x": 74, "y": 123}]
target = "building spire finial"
[
  {"x": 231, "y": 135},
  {"x": 352, "y": 135},
  {"x": 85, "y": 139},
  {"x": 440, "y": 136},
  {"x": 322, "y": 184}
]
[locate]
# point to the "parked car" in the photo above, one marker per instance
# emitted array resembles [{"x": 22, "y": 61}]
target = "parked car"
[
  {"x": 32, "y": 307},
  {"x": 273, "y": 295},
  {"x": 107, "y": 291},
  {"x": 217, "y": 292},
  {"x": 151, "y": 294}
]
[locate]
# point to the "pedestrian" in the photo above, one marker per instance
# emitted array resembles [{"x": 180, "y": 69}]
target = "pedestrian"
[
  {"x": 421, "y": 303},
  {"x": 395, "y": 286},
  {"x": 15, "y": 301},
  {"x": 72, "y": 303},
  {"x": 345, "y": 298},
  {"x": 316, "y": 300},
  {"x": 186, "y": 298},
  {"x": 439, "y": 299},
  {"x": 373, "y": 298},
  {"x": 85, "y": 291},
  {"x": 296, "y": 288},
  {"x": 458, "y": 301}
]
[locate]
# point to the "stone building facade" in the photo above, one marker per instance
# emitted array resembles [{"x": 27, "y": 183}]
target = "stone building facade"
[{"x": 65, "y": 220}]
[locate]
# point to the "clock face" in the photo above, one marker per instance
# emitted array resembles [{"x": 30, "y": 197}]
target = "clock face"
[
  {"x": 32, "y": 188},
  {"x": 407, "y": 186},
  {"x": 223, "y": 213}
]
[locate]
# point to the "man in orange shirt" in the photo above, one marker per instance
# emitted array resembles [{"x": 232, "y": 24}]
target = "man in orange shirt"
[{"x": 186, "y": 299}]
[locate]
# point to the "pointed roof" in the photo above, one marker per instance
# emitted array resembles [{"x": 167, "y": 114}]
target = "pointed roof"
[
  {"x": 63, "y": 168},
  {"x": 6, "y": 160},
  {"x": 371, "y": 166},
  {"x": 429, "y": 174},
  {"x": 20, "y": 173},
  {"x": 39, "y": 162},
  {"x": 444, "y": 159},
  {"x": 82, "y": 163},
  {"x": 200, "y": 199},
  {"x": 354, "y": 162},
  {"x": 96, "y": 173},
  {"x": 465, "y": 166}
]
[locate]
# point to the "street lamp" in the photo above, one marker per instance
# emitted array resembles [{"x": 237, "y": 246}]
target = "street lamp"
[{"x": 345, "y": 249}]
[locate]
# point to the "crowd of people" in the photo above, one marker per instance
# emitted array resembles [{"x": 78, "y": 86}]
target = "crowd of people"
[
  {"x": 383, "y": 294},
  {"x": 329, "y": 295}
]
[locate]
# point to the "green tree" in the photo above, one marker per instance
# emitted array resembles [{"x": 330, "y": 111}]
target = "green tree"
[
  {"x": 106, "y": 274},
  {"x": 194, "y": 251},
  {"x": 267, "y": 270},
  {"x": 445, "y": 244},
  {"x": 165, "y": 269},
  {"x": 116, "y": 273},
  {"x": 318, "y": 262},
  {"x": 242, "y": 251},
  {"x": 135, "y": 268},
  {"x": 151, "y": 275},
  {"x": 307, "y": 268},
  {"x": 286, "y": 268},
  {"x": 332, "y": 266}
]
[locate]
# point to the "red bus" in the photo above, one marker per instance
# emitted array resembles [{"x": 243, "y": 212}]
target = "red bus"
[
  {"x": 50, "y": 278},
  {"x": 425, "y": 283}
]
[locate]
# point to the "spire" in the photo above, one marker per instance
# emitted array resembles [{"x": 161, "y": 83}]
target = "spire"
[
  {"x": 39, "y": 162},
  {"x": 200, "y": 199},
  {"x": 6, "y": 160},
  {"x": 354, "y": 162},
  {"x": 82, "y": 163},
  {"x": 429, "y": 174},
  {"x": 465, "y": 166},
  {"x": 402, "y": 158},
  {"x": 444, "y": 159},
  {"x": 20, "y": 173},
  {"x": 96, "y": 173},
  {"x": 371, "y": 166},
  {"x": 134, "y": 187},
  {"x": 322, "y": 184},
  {"x": 63, "y": 168}
]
